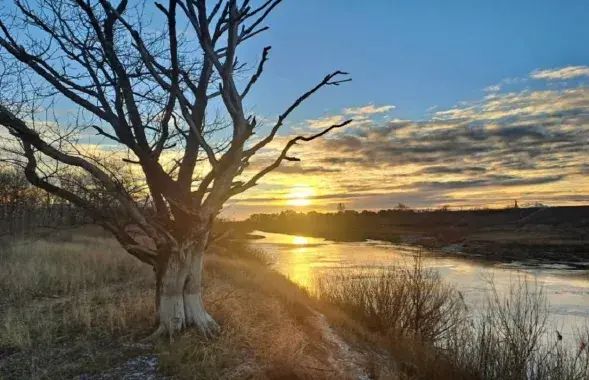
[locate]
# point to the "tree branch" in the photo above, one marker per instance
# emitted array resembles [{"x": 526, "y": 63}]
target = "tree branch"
[
  {"x": 283, "y": 156},
  {"x": 258, "y": 71},
  {"x": 327, "y": 81}
]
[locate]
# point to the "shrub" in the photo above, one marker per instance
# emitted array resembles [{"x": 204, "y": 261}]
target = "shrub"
[
  {"x": 396, "y": 300},
  {"x": 511, "y": 339}
]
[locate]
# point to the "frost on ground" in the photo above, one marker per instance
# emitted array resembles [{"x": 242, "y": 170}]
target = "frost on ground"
[{"x": 144, "y": 367}]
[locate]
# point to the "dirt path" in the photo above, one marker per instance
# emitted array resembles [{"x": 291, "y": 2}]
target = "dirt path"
[{"x": 341, "y": 357}]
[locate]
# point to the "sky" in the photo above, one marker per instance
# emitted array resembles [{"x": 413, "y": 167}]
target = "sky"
[
  {"x": 464, "y": 103},
  {"x": 459, "y": 103}
]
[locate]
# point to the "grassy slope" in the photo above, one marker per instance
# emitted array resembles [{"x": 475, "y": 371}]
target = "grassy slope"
[{"x": 77, "y": 304}]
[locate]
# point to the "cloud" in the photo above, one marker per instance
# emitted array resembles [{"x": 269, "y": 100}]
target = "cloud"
[
  {"x": 324, "y": 122},
  {"x": 361, "y": 116},
  {"x": 300, "y": 169},
  {"x": 488, "y": 181},
  {"x": 530, "y": 145},
  {"x": 568, "y": 72},
  {"x": 509, "y": 145},
  {"x": 368, "y": 110},
  {"x": 452, "y": 170},
  {"x": 493, "y": 88}
]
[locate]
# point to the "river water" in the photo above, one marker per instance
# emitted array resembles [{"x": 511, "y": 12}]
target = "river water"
[{"x": 302, "y": 259}]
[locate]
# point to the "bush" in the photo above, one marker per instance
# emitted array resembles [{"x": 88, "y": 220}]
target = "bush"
[
  {"x": 511, "y": 340},
  {"x": 428, "y": 331},
  {"x": 408, "y": 301}
]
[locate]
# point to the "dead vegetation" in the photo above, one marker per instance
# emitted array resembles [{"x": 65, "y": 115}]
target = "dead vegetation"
[
  {"x": 429, "y": 332},
  {"x": 76, "y": 304}
]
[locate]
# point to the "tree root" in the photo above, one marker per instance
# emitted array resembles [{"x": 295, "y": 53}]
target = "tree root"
[{"x": 208, "y": 330}]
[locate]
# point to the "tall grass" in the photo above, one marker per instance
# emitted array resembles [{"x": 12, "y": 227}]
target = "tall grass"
[
  {"x": 68, "y": 307},
  {"x": 429, "y": 331},
  {"x": 79, "y": 305},
  {"x": 397, "y": 300},
  {"x": 50, "y": 290},
  {"x": 513, "y": 339}
]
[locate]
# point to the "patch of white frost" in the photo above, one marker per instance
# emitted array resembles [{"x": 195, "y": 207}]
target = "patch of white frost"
[{"x": 138, "y": 368}]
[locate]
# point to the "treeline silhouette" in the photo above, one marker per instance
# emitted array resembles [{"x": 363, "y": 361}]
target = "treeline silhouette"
[
  {"x": 25, "y": 208},
  {"x": 443, "y": 225}
]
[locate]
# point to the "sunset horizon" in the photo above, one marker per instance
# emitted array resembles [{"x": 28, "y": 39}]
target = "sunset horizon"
[{"x": 294, "y": 189}]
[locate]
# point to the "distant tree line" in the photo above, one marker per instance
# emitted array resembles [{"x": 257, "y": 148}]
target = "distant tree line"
[
  {"x": 24, "y": 207},
  {"x": 442, "y": 224}
]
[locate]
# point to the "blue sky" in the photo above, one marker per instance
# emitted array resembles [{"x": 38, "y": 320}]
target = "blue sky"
[
  {"x": 460, "y": 103},
  {"x": 491, "y": 103},
  {"x": 413, "y": 54}
]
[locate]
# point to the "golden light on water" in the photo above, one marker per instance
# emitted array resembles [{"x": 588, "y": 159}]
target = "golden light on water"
[
  {"x": 300, "y": 240},
  {"x": 300, "y": 195}
]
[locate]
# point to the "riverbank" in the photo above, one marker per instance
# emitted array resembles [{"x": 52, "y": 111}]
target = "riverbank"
[
  {"x": 544, "y": 235},
  {"x": 76, "y": 306}
]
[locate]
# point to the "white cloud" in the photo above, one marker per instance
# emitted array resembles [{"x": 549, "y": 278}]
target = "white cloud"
[
  {"x": 368, "y": 110},
  {"x": 361, "y": 115},
  {"x": 493, "y": 88},
  {"x": 568, "y": 72},
  {"x": 325, "y": 122}
]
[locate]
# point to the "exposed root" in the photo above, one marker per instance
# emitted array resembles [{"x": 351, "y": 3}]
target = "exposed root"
[
  {"x": 197, "y": 316},
  {"x": 155, "y": 336},
  {"x": 179, "y": 313},
  {"x": 208, "y": 329}
]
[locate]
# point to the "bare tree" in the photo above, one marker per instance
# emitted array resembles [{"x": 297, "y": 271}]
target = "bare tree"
[{"x": 150, "y": 93}]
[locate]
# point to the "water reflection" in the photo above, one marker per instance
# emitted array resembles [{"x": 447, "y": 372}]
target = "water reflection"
[{"x": 302, "y": 259}]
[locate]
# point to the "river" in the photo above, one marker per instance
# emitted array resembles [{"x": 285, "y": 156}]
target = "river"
[{"x": 302, "y": 259}]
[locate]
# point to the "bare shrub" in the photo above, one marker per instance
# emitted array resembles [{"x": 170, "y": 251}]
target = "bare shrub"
[
  {"x": 512, "y": 339},
  {"x": 396, "y": 300},
  {"x": 428, "y": 331}
]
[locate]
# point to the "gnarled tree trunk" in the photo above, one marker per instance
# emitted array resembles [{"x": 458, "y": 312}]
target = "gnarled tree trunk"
[
  {"x": 119, "y": 93},
  {"x": 179, "y": 292}
]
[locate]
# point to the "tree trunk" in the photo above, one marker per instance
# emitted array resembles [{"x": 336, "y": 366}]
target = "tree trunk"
[{"x": 179, "y": 293}]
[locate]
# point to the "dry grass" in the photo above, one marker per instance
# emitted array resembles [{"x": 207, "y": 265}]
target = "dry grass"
[
  {"x": 63, "y": 301},
  {"x": 427, "y": 331},
  {"x": 263, "y": 337},
  {"x": 405, "y": 311},
  {"x": 78, "y": 305},
  {"x": 512, "y": 339},
  {"x": 396, "y": 301}
]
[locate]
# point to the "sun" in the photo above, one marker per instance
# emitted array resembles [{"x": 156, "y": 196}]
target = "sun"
[
  {"x": 300, "y": 240},
  {"x": 300, "y": 195}
]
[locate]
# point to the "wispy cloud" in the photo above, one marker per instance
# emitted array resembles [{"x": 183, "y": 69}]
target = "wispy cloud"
[
  {"x": 368, "y": 110},
  {"x": 568, "y": 72},
  {"x": 527, "y": 145},
  {"x": 324, "y": 122},
  {"x": 493, "y": 88},
  {"x": 362, "y": 116}
]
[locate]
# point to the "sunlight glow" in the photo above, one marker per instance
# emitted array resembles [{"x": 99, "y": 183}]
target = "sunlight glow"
[
  {"x": 300, "y": 240},
  {"x": 300, "y": 195}
]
